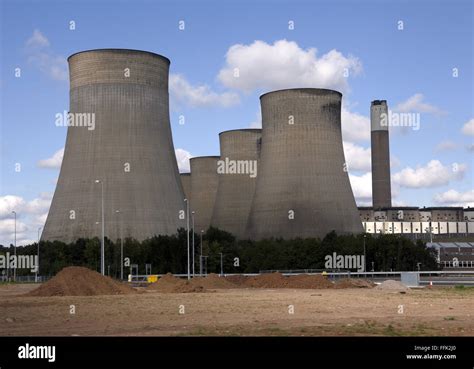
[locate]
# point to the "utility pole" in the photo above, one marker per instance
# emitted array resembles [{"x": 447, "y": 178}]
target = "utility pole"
[
  {"x": 37, "y": 267},
  {"x": 194, "y": 264},
  {"x": 102, "y": 246},
  {"x": 121, "y": 243},
  {"x": 16, "y": 260},
  {"x": 365, "y": 257},
  {"x": 200, "y": 258},
  {"x": 222, "y": 265},
  {"x": 187, "y": 232}
]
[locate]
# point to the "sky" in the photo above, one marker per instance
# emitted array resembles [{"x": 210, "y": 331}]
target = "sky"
[{"x": 417, "y": 55}]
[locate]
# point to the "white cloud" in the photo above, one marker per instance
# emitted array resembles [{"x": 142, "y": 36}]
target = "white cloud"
[
  {"x": 257, "y": 123},
  {"x": 357, "y": 157},
  {"x": 446, "y": 145},
  {"x": 37, "y": 48},
  {"x": 455, "y": 198},
  {"x": 182, "y": 158},
  {"x": 355, "y": 127},
  {"x": 54, "y": 161},
  {"x": 37, "y": 40},
  {"x": 432, "y": 175},
  {"x": 285, "y": 65},
  {"x": 10, "y": 203},
  {"x": 7, "y": 232},
  {"x": 30, "y": 215},
  {"x": 40, "y": 205},
  {"x": 468, "y": 128},
  {"x": 182, "y": 92},
  {"x": 362, "y": 188},
  {"x": 415, "y": 104}
]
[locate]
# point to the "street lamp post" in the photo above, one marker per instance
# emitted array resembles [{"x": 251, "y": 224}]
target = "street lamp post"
[
  {"x": 38, "y": 257},
  {"x": 192, "y": 216},
  {"x": 222, "y": 265},
  {"x": 187, "y": 232},
  {"x": 121, "y": 244},
  {"x": 16, "y": 261},
  {"x": 200, "y": 257},
  {"x": 102, "y": 247},
  {"x": 365, "y": 260}
]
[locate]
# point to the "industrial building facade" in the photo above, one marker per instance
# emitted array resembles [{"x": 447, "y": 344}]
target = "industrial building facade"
[{"x": 413, "y": 220}]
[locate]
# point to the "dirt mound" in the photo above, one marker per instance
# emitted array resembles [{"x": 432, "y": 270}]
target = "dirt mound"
[
  {"x": 391, "y": 285},
  {"x": 353, "y": 283},
  {"x": 80, "y": 281},
  {"x": 238, "y": 280},
  {"x": 212, "y": 281},
  {"x": 168, "y": 284},
  {"x": 171, "y": 284},
  {"x": 309, "y": 281},
  {"x": 267, "y": 280}
]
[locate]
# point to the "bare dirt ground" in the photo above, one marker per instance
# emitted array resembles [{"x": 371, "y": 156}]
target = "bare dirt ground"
[{"x": 241, "y": 311}]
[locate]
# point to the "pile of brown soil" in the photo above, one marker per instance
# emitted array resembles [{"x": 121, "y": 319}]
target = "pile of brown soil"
[
  {"x": 267, "y": 280},
  {"x": 316, "y": 281},
  {"x": 167, "y": 283},
  {"x": 238, "y": 280},
  {"x": 80, "y": 281},
  {"x": 212, "y": 281},
  {"x": 171, "y": 284},
  {"x": 353, "y": 283}
]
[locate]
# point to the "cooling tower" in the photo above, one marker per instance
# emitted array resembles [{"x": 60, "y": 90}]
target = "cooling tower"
[
  {"x": 129, "y": 149},
  {"x": 186, "y": 182},
  {"x": 302, "y": 187},
  {"x": 381, "y": 190},
  {"x": 238, "y": 172},
  {"x": 204, "y": 181}
]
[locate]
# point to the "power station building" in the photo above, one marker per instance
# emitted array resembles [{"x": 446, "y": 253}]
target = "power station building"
[
  {"x": 286, "y": 180},
  {"x": 204, "y": 182},
  {"x": 237, "y": 171},
  {"x": 186, "y": 183},
  {"x": 381, "y": 188},
  {"x": 302, "y": 187},
  {"x": 119, "y": 150}
]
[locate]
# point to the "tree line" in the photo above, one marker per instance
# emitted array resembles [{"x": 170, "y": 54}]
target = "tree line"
[{"x": 169, "y": 253}]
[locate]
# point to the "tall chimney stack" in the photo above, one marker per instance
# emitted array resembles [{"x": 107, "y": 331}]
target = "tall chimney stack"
[{"x": 381, "y": 190}]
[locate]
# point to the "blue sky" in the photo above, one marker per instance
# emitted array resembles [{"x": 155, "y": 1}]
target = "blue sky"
[{"x": 412, "y": 68}]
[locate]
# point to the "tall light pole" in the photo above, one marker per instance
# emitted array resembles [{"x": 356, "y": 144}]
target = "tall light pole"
[
  {"x": 102, "y": 246},
  {"x": 200, "y": 258},
  {"x": 365, "y": 260},
  {"x": 187, "y": 232},
  {"x": 38, "y": 266},
  {"x": 222, "y": 265},
  {"x": 121, "y": 244},
  {"x": 16, "y": 261},
  {"x": 192, "y": 216}
]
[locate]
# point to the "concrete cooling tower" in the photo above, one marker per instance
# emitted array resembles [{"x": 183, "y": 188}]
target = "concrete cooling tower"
[
  {"x": 302, "y": 188},
  {"x": 238, "y": 170},
  {"x": 381, "y": 188},
  {"x": 186, "y": 182},
  {"x": 204, "y": 181},
  {"x": 126, "y": 145}
]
